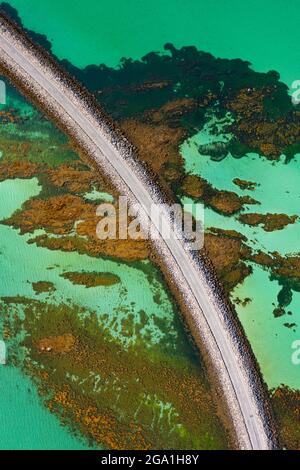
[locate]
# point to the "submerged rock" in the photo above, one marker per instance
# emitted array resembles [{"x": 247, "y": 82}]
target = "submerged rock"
[
  {"x": 92, "y": 279},
  {"x": 244, "y": 184},
  {"x": 3, "y": 356}
]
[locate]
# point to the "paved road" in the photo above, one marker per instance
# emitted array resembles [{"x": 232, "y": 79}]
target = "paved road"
[{"x": 250, "y": 417}]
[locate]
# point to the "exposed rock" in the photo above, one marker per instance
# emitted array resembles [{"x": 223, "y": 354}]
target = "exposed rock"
[
  {"x": 123, "y": 250},
  {"x": 244, "y": 184},
  {"x": 227, "y": 233},
  {"x": 57, "y": 344},
  {"x": 262, "y": 258},
  {"x": 18, "y": 169},
  {"x": 73, "y": 179},
  {"x": 9, "y": 115},
  {"x": 57, "y": 214},
  {"x": 43, "y": 286},
  {"x": 75, "y": 220},
  {"x": 93, "y": 279},
  {"x": 226, "y": 202},
  {"x": 260, "y": 124}
]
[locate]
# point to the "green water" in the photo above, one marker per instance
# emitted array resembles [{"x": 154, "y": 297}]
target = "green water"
[
  {"x": 277, "y": 191},
  {"x": 270, "y": 339},
  {"x": 133, "y": 294},
  {"x": 266, "y": 34},
  {"x": 19, "y": 269},
  {"x": 97, "y": 31},
  {"x": 20, "y": 407}
]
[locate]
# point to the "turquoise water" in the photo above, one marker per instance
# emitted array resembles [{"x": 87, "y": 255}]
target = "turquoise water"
[
  {"x": 21, "y": 409},
  {"x": 277, "y": 191},
  {"x": 270, "y": 339},
  {"x": 20, "y": 406},
  {"x": 97, "y": 31},
  {"x": 266, "y": 34}
]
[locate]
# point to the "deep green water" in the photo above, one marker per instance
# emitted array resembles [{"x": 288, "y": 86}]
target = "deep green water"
[{"x": 96, "y": 31}]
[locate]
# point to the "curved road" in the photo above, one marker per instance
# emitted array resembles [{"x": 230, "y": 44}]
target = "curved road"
[{"x": 250, "y": 419}]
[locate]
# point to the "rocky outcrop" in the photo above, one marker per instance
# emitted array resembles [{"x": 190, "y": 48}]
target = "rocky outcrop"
[
  {"x": 225, "y": 202},
  {"x": 61, "y": 344},
  {"x": 244, "y": 184},
  {"x": 93, "y": 279}
]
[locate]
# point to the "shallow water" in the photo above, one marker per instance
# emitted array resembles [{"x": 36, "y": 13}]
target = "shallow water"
[
  {"x": 22, "y": 264},
  {"x": 277, "y": 191},
  {"x": 20, "y": 407},
  {"x": 21, "y": 410},
  {"x": 19, "y": 260},
  {"x": 270, "y": 339}
]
